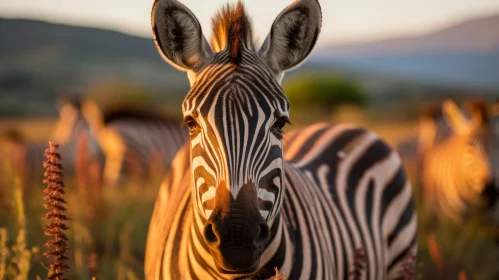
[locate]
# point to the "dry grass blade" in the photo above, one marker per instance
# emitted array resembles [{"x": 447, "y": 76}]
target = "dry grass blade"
[
  {"x": 278, "y": 276},
  {"x": 462, "y": 276},
  {"x": 4, "y": 253},
  {"x": 359, "y": 263},
  {"x": 55, "y": 201},
  {"x": 435, "y": 253},
  {"x": 408, "y": 266}
]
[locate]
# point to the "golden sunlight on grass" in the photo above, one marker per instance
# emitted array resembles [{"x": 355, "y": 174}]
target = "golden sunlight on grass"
[{"x": 109, "y": 225}]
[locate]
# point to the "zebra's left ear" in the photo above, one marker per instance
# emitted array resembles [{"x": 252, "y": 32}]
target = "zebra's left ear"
[
  {"x": 178, "y": 36},
  {"x": 293, "y": 36}
]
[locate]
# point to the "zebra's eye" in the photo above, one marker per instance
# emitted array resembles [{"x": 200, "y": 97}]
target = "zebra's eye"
[
  {"x": 279, "y": 124},
  {"x": 191, "y": 123}
]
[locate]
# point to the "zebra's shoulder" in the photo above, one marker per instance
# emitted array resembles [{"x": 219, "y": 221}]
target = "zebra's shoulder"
[
  {"x": 176, "y": 173},
  {"x": 174, "y": 194}
]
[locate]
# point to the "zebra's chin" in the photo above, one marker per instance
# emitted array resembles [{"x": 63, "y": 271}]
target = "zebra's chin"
[
  {"x": 237, "y": 272},
  {"x": 236, "y": 260}
]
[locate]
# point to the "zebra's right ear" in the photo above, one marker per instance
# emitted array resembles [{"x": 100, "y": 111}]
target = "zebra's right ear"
[
  {"x": 293, "y": 36},
  {"x": 479, "y": 112},
  {"x": 92, "y": 113},
  {"x": 178, "y": 36}
]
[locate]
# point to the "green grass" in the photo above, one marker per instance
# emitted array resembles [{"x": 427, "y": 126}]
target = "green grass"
[{"x": 469, "y": 246}]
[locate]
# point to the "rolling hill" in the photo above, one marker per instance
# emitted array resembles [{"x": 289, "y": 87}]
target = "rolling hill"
[
  {"x": 40, "y": 59},
  {"x": 465, "y": 54}
]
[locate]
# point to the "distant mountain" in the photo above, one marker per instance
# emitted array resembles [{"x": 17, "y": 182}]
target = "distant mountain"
[
  {"x": 39, "y": 60},
  {"x": 471, "y": 36},
  {"x": 462, "y": 55},
  {"x": 21, "y": 38}
]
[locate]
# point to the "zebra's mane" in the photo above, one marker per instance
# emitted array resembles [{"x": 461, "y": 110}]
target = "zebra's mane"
[
  {"x": 232, "y": 30},
  {"x": 72, "y": 100},
  {"x": 432, "y": 111},
  {"x": 139, "y": 115},
  {"x": 478, "y": 106}
]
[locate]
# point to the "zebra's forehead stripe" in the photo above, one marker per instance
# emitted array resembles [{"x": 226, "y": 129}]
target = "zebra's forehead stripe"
[{"x": 227, "y": 113}]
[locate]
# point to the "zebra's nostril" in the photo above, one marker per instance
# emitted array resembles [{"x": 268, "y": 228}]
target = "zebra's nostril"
[
  {"x": 209, "y": 234},
  {"x": 263, "y": 236}
]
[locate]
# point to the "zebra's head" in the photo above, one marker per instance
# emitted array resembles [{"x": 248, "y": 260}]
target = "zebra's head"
[
  {"x": 236, "y": 111},
  {"x": 478, "y": 132},
  {"x": 70, "y": 117},
  {"x": 78, "y": 116}
]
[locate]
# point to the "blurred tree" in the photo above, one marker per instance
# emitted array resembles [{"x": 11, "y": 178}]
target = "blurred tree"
[
  {"x": 110, "y": 93},
  {"x": 324, "y": 93}
]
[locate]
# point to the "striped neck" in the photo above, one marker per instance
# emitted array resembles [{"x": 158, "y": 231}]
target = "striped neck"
[{"x": 278, "y": 253}]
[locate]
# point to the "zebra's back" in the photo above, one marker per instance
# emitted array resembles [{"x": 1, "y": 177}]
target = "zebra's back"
[
  {"x": 147, "y": 145},
  {"x": 357, "y": 195}
]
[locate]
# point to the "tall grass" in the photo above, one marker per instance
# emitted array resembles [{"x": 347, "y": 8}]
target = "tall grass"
[
  {"x": 109, "y": 227},
  {"x": 15, "y": 263},
  {"x": 4, "y": 253},
  {"x": 55, "y": 202}
]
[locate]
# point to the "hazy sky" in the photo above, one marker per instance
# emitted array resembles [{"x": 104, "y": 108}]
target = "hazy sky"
[{"x": 344, "y": 20}]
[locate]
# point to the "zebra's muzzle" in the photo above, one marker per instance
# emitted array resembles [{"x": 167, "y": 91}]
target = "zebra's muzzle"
[{"x": 236, "y": 232}]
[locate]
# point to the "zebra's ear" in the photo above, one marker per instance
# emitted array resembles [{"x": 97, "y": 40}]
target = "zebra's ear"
[
  {"x": 178, "y": 36},
  {"x": 68, "y": 115},
  {"x": 92, "y": 114},
  {"x": 454, "y": 117},
  {"x": 293, "y": 36}
]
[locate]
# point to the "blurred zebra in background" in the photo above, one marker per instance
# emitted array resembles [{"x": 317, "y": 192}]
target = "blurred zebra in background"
[
  {"x": 129, "y": 143},
  {"x": 124, "y": 142},
  {"x": 21, "y": 158},
  {"x": 143, "y": 144},
  {"x": 458, "y": 172},
  {"x": 73, "y": 127},
  {"x": 432, "y": 127},
  {"x": 27, "y": 157}
]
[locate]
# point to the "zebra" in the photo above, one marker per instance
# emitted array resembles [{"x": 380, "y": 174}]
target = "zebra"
[
  {"x": 459, "y": 175},
  {"x": 21, "y": 158},
  {"x": 27, "y": 156},
  {"x": 145, "y": 140},
  {"x": 432, "y": 128},
  {"x": 75, "y": 123},
  {"x": 123, "y": 140},
  {"x": 239, "y": 201}
]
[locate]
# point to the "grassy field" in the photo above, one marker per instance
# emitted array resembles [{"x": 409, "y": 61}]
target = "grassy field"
[{"x": 108, "y": 226}]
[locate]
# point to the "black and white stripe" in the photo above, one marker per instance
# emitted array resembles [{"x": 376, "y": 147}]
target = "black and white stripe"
[
  {"x": 344, "y": 190},
  {"x": 239, "y": 201},
  {"x": 148, "y": 140}
]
